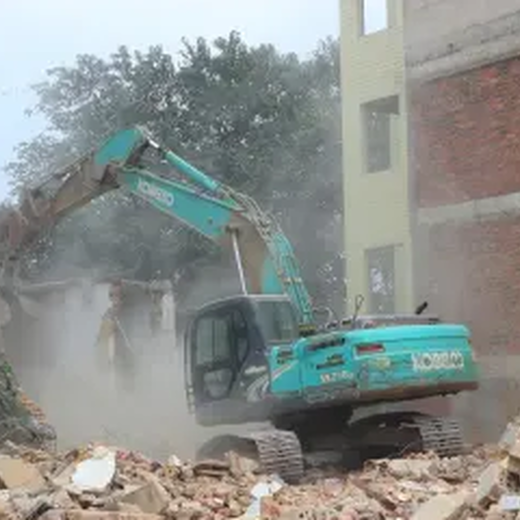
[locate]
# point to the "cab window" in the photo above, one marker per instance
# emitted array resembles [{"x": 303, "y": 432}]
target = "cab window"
[
  {"x": 277, "y": 321},
  {"x": 213, "y": 340},
  {"x": 204, "y": 342},
  {"x": 214, "y": 362}
]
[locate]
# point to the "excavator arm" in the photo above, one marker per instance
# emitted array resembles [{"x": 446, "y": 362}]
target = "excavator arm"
[{"x": 129, "y": 160}]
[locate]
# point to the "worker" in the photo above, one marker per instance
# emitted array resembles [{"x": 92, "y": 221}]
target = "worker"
[{"x": 114, "y": 351}]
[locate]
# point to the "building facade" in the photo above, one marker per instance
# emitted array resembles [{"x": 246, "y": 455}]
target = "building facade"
[
  {"x": 463, "y": 69},
  {"x": 378, "y": 234},
  {"x": 457, "y": 75}
]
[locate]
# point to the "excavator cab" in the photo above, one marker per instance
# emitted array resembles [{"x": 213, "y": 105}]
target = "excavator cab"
[{"x": 225, "y": 352}]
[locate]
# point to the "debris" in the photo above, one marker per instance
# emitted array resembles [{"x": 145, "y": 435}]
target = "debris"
[
  {"x": 15, "y": 473},
  {"x": 173, "y": 460},
  {"x": 97, "y": 472},
  {"x": 61, "y": 500},
  {"x": 509, "y": 437},
  {"x": 262, "y": 489},
  {"x": 443, "y": 507},
  {"x": 414, "y": 468},
  {"x": 372, "y": 491},
  {"x": 78, "y": 514},
  {"x": 509, "y": 503},
  {"x": 267, "y": 487},
  {"x": 97, "y": 482},
  {"x": 490, "y": 484},
  {"x": 242, "y": 465},
  {"x": 211, "y": 468},
  {"x": 149, "y": 498}
]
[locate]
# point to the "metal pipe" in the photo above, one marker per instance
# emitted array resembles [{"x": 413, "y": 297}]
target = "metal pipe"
[{"x": 238, "y": 260}]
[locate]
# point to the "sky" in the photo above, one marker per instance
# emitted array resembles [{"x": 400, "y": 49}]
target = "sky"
[{"x": 36, "y": 35}]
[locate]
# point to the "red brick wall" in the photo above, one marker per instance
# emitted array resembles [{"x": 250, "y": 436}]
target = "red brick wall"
[
  {"x": 466, "y": 135},
  {"x": 473, "y": 277}
]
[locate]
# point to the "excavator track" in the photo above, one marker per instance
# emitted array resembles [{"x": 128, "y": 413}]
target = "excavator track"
[
  {"x": 277, "y": 451},
  {"x": 397, "y": 433},
  {"x": 280, "y": 453},
  {"x": 441, "y": 435}
]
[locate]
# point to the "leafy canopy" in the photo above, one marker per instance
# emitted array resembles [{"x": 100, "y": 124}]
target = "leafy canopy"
[{"x": 264, "y": 122}]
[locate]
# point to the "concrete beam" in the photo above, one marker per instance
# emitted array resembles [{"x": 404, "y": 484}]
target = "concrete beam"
[
  {"x": 490, "y": 208},
  {"x": 463, "y": 49}
]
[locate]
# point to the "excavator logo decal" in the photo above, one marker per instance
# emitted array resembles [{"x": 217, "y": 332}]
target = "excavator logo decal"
[
  {"x": 154, "y": 192},
  {"x": 427, "y": 362}
]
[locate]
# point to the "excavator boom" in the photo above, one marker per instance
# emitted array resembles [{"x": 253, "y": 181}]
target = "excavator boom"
[{"x": 265, "y": 259}]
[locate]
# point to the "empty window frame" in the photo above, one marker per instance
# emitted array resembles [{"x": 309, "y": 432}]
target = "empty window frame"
[
  {"x": 377, "y": 119},
  {"x": 381, "y": 280},
  {"x": 374, "y": 16}
]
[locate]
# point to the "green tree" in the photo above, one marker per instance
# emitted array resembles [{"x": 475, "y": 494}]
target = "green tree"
[{"x": 264, "y": 122}]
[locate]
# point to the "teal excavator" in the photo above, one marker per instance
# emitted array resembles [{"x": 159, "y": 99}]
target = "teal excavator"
[{"x": 261, "y": 356}]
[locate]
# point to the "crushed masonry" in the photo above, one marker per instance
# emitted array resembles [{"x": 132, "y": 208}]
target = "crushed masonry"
[{"x": 110, "y": 483}]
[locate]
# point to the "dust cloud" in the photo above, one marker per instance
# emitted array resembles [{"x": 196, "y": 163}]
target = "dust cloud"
[{"x": 146, "y": 410}]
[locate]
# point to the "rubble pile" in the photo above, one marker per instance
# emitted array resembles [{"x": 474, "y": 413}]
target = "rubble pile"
[
  {"x": 99, "y": 482},
  {"x": 421, "y": 487}
]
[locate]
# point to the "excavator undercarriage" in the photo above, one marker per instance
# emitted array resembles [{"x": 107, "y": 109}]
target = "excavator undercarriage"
[{"x": 287, "y": 452}]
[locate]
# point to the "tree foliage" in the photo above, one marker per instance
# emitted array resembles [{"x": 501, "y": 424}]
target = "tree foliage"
[{"x": 264, "y": 122}]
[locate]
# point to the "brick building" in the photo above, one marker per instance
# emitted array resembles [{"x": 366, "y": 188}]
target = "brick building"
[
  {"x": 463, "y": 82},
  {"x": 431, "y": 117}
]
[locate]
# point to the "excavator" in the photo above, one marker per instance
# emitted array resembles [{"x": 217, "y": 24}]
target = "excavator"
[{"x": 262, "y": 356}]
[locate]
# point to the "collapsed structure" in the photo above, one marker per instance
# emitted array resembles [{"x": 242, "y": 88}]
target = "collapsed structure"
[
  {"x": 32, "y": 337},
  {"x": 430, "y": 115},
  {"x": 110, "y": 483}
]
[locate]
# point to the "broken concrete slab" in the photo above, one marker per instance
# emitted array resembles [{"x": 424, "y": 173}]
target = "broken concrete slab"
[
  {"x": 16, "y": 473},
  {"x": 509, "y": 503},
  {"x": 81, "y": 514},
  {"x": 149, "y": 498},
  {"x": 97, "y": 472},
  {"x": 413, "y": 468},
  {"x": 510, "y": 436},
  {"x": 126, "y": 508},
  {"x": 443, "y": 507},
  {"x": 490, "y": 484}
]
